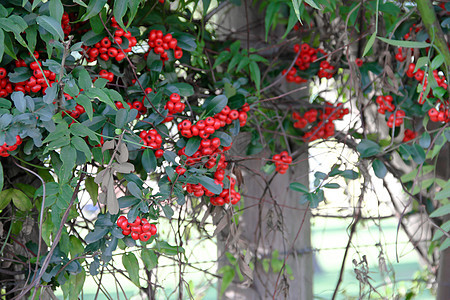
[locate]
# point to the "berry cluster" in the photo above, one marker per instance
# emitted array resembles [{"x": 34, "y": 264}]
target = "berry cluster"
[
  {"x": 76, "y": 112},
  {"x": 36, "y": 82},
  {"x": 324, "y": 117},
  {"x": 151, "y": 139},
  {"x": 326, "y": 70},
  {"x": 229, "y": 195},
  {"x": 65, "y": 24},
  {"x": 416, "y": 30},
  {"x": 307, "y": 56},
  {"x": 204, "y": 128},
  {"x": 6, "y": 87},
  {"x": 441, "y": 115},
  {"x": 210, "y": 154},
  {"x": 292, "y": 77},
  {"x": 174, "y": 106},
  {"x": 138, "y": 105},
  {"x": 140, "y": 229},
  {"x": 396, "y": 119},
  {"x": 441, "y": 112},
  {"x": 385, "y": 103},
  {"x": 160, "y": 43},
  {"x": 107, "y": 75},
  {"x": 282, "y": 162},
  {"x": 105, "y": 49},
  {"x": 399, "y": 55},
  {"x": 5, "y": 147},
  {"x": 409, "y": 135}
]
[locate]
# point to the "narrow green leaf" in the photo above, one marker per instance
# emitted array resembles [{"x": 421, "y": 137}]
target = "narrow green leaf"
[
  {"x": 2, "y": 42},
  {"x": 1, "y": 177},
  {"x": 441, "y": 211},
  {"x": 406, "y": 44},
  {"x": 298, "y": 187},
  {"x": 369, "y": 43},
  {"x": 255, "y": 74},
  {"x": 437, "y": 61},
  {"x": 76, "y": 283},
  {"x": 131, "y": 264}
]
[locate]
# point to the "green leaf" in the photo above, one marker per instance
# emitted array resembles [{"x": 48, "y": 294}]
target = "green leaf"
[
  {"x": 438, "y": 234},
  {"x": 56, "y": 10},
  {"x": 1, "y": 177},
  {"x": 417, "y": 153},
  {"x": 349, "y": 174},
  {"x": 192, "y": 145},
  {"x": 223, "y": 56},
  {"x": 186, "y": 42},
  {"x": 406, "y": 44},
  {"x": 20, "y": 74},
  {"x": 425, "y": 140},
  {"x": 149, "y": 161},
  {"x": 206, "y": 4},
  {"x": 82, "y": 131},
  {"x": 121, "y": 118},
  {"x": 228, "y": 274},
  {"x": 225, "y": 139},
  {"x": 2, "y": 42},
  {"x": 76, "y": 283},
  {"x": 368, "y": 148},
  {"x": 210, "y": 184},
  {"x": 369, "y": 43},
  {"x": 215, "y": 105},
  {"x": 19, "y": 101},
  {"x": 94, "y": 7},
  {"x": 84, "y": 101},
  {"x": 164, "y": 247},
  {"x": 19, "y": 199},
  {"x": 120, "y": 8},
  {"x": 84, "y": 79},
  {"x": 437, "y": 61},
  {"x": 296, "y": 5},
  {"x": 131, "y": 264},
  {"x": 271, "y": 14},
  {"x": 168, "y": 211},
  {"x": 441, "y": 211},
  {"x": 149, "y": 258},
  {"x": 81, "y": 145},
  {"x": 298, "y": 187},
  {"x": 134, "y": 189},
  {"x": 379, "y": 168},
  {"x": 52, "y": 26},
  {"x": 255, "y": 74},
  {"x": 92, "y": 188},
  {"x": 332, "y": 185},
  {"x": 444, "y": 193},
  {"x": 100, "y": 95},
  {"x": 312, "y": 3}
]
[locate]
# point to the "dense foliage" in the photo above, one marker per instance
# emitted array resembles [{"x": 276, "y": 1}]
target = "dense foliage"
[{"x": 137, "y": 104}]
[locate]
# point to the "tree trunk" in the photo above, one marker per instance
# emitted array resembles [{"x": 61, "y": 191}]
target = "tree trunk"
[
  {"x": 273, "y": 221},
  {"x": 443, "y": 171}
]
